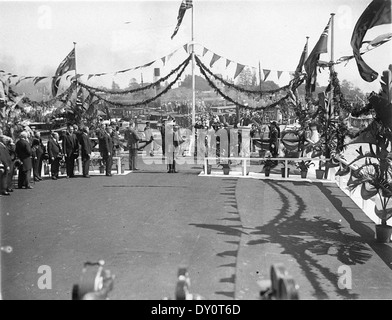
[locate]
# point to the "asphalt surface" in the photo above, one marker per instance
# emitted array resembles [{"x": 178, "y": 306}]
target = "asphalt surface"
[{"x": 228, "y": 231}]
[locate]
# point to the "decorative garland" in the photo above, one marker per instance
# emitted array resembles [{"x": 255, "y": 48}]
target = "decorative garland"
[
  {"x": 338, "y": 96},
  {"x": 212, "y": 84},
  {"x": 64, "y": 95},
  {"x": 185, "y": 64},
  {"x": 129, "y": 91},
  {"x": 231, "y": 85}
]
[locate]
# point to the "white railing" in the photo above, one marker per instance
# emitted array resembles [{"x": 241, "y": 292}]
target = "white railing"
[{"x": 367, "y": 206}]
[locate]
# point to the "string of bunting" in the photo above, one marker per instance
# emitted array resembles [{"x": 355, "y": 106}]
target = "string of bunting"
[
  {"x": 37, "y": 79},
  {"x": 144, "y": 102},
  {"x": 240, "y": 67},
  {"x": 240, "y": 105},
  {"x": 129, "y": 91},
  {"x": 233, "y": 86}
]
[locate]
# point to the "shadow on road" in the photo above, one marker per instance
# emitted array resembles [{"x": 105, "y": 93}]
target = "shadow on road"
[
  {"x": 304, "y": 239},
  {"x": 366, "y": 233}
]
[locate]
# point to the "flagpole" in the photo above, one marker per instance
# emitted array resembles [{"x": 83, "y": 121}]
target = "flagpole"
[
  {"x": 76, "y": 78},
  {"x": 193, "y": 82},
  {"x": 330, "y": 98}
]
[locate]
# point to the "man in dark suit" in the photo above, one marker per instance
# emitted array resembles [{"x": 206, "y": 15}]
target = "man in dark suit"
[
  {"x": 54, "y": 152},
  {"x": 10, "y": 145},
  {"x": 71, "y": 150},
  {"x": 38, "y": 149},
  {"x": 24, "y": 153},
  {"x": 86, "y": 148},
  {"x": 106, "y": 149},
  {"x": 5, "y": 169},
  {"x": 132, "y": 138}
]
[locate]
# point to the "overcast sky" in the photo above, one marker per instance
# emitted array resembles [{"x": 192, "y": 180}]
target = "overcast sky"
[{"x": 112, "y": 36}]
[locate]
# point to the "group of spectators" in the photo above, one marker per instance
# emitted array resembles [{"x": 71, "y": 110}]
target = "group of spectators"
[{"x": 27, "y": 155}]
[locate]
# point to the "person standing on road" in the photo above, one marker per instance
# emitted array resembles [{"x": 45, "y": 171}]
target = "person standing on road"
[
  {"x": 24, "y": 153},
  {"x": 86, "y": 148},
  {"x": 132, "y": 139},
  {"x": 5, "y": 169},
  {"x": 148, "y": 135},
  {"x": 71, "y": 150},
  {"x": 10, "y": 145},
  {"x": 107, "y": 150},
  {"x": 274, "y": 133},
  {"x": 38, "y": 150},
  {"x": 55, "y": 155}
]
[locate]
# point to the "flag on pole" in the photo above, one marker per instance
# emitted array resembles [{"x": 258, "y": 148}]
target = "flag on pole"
[
  {"x": 303, "y": 58},
  {"x": 377, "y": 13},
  {"x": 311, "y": 62},
  {"x": 185, "y": 4},
  {"x": 66, "y": 65}
]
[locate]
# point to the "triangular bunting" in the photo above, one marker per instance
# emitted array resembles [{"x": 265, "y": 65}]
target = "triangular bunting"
[
  {"x": 163, "y": 60},
  {"x": 169, "y": 56},
  {"x": 148, "y": 64},
  {"x": 205, "y": 50},
  {"x": 227, "y": 62},
  {"x": 239, "y": 69},
  {"x": 90, "y": 76},
  {"x": 186, "y": 48},
  {"x": 266, "y": 73},
  {"x": 279, "y": 74},
  {"x": 122, "y": 71},
  {"x": 214, "y": 59}
]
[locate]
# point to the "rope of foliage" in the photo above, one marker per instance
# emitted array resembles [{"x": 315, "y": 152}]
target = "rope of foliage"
[
  {"x": 243, "y": 90},
  {"x": 129, "y": 91},
  {"x": 64, "y": 96},
  {"x": 240, "y": 105},
  {"x": 147, "y": 101}
]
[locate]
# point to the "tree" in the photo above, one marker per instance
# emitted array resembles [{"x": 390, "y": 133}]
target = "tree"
[
  {"x": 245, "y": 78},
  {"x": 115, "y": 86},
  {"x": 201, "y": 84}
]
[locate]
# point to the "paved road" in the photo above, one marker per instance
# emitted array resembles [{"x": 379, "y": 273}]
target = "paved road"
[{"x": 228, "y": 231}]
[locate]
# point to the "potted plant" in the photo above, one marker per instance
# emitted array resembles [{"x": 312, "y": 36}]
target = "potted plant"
[
  {"x": 320, "y": 172},
  {"x": 303, "y": 167},
  {"x": 268, "y": 163},
  {"x": 283, "y": 170},
  {"x": 209, "y": 168},
  {"x": 375, "y": 179},
  {"x": 225, "y": 168},
  {"x": 374, "y": 168},
  {"x": 225, "y": 164}
]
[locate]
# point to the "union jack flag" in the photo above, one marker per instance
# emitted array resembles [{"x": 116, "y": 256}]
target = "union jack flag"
[{"x": 185, "y": 4}]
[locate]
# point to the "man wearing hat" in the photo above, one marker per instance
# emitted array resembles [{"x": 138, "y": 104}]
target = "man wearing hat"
[
  {"x": 132, "y": 139},
  {"x": 107, "y": 150},
  {"x": 71, "y": 150},
  {"x": 55, "y": 155},
  {"x": 24, "y": 153},
  {"x": 86, "y": 148},
  {"x": 5, "y": 169},
  {"x": 274, "y": 133}
]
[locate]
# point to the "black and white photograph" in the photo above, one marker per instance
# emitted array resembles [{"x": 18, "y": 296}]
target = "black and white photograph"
[{"x": 214, "y": 150}]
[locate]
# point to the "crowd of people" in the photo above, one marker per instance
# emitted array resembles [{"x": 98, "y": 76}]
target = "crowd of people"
[{"x": 26, "y": 155}]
